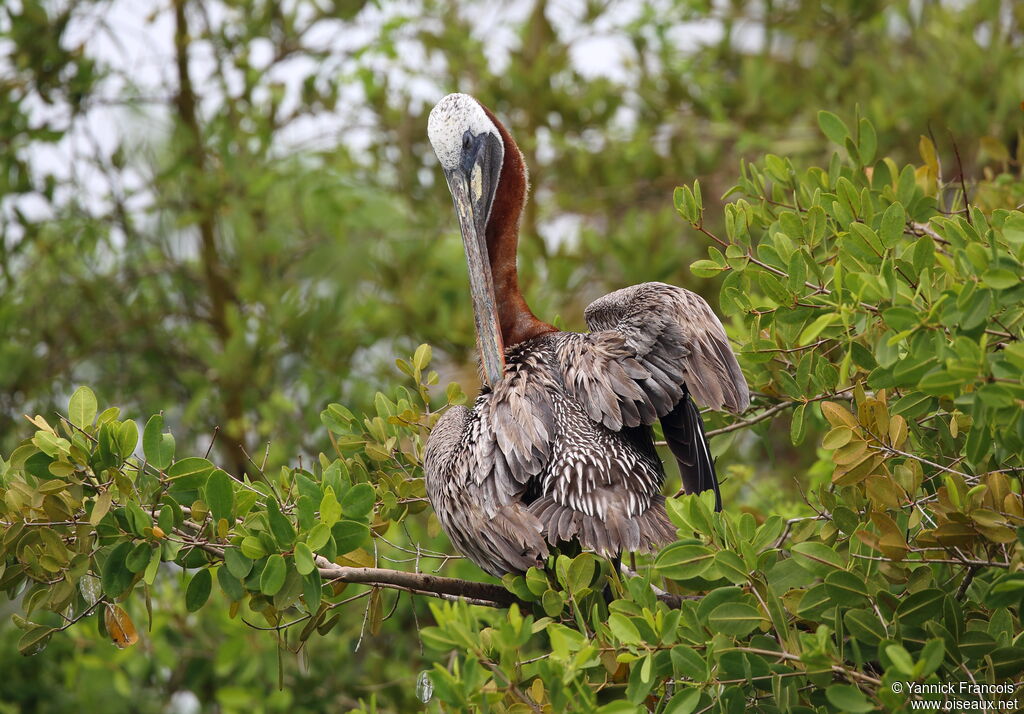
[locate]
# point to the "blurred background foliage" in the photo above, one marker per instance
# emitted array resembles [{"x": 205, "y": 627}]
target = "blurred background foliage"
[{"x": 228, "y": 209}]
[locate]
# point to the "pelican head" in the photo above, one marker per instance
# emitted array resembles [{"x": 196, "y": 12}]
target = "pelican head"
[{"x": 470, "y": 151}]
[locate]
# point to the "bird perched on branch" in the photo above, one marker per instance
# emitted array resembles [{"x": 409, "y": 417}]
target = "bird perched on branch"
[{"x": 559, "y": 446}]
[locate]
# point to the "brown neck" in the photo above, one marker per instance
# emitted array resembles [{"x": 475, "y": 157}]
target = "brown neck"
[{"x": 518, "y": 323}]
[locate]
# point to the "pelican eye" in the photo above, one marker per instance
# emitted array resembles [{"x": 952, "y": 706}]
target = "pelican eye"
[{"x": 467, "y": 141}]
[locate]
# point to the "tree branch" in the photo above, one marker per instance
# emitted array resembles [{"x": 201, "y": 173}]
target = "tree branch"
[
  {"x": 218, "y": 287},
  {"x": 420, "y": 583},
  {"x": 452, "y": 589}
]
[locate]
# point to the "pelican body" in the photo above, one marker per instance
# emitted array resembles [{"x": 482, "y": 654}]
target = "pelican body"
[{"x": 559, "y": 446}]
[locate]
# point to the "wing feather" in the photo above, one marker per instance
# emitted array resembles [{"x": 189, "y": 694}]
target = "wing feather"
[
  {"x": 669, "y": 333},
  {"x": 477, "y": 496},
  {"x": 520, "y": 415}
]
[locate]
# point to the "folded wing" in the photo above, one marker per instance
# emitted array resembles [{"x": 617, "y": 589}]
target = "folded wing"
[
  {"x": 651, "y": 347},
  {"x": 649, "y": 344},
  {"x": 478, "y": 497}
]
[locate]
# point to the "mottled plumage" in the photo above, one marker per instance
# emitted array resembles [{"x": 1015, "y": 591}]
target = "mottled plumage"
[
  {"x": 559, "y": 447},
  {"x": 562, "y": 448}
]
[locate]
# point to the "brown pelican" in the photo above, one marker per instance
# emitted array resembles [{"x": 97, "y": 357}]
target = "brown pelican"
[{"x": 559, "y": 446}]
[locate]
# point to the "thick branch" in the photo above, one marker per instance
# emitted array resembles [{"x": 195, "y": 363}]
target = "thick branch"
[
  {"x": 437, "y": 586},
  {"x": 217, "y": 285},
  {"x": 422, "y": 583}
]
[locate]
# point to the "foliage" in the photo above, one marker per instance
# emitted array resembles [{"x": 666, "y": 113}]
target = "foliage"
[
  {"x": 241, "y": 259},
  {"x": 870, "y": 304},
  {"x": 254, "y": 226},
  {"x": 876, "y": 307}
]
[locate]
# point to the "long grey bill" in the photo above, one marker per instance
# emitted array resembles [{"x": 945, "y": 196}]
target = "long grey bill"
[{"x": 481, "y": 286}]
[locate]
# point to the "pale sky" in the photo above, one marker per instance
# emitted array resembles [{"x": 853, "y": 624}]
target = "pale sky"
[{"x": 137, "y": 36}]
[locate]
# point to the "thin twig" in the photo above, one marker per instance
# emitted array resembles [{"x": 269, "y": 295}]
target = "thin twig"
[
  {"x": 943, "y": 561},
  {"x": 216, "y": 430},
  {"x": 960, "y": 170}
]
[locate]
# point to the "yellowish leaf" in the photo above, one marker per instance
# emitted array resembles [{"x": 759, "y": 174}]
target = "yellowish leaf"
[
  {"x": 838, "y": 415},
  {"x": 897, "y": 431},
  {"x": 120, "y": 627}
]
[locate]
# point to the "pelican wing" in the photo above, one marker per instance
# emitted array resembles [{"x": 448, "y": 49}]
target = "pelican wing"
[
  {"x": 519, "y": 412},
  {"x": 649, "y": 345},
  {"x": 475, "y": 495}
]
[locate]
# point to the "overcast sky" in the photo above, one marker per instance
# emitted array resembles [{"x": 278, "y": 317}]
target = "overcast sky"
[{"x": 136, "y": 37}]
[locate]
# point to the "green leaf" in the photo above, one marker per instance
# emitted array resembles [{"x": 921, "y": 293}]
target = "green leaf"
[
  {"x": 932, "y": 655},
  {"x": 865, "y": 626},
  {"x": 35, "y": 639},
  {"x": 731, "y": 566},
  {"x": 1000, "y": 278},
  {"x": 536, "y": 581},
  {"x": 358, "y": 501},
  {"x": 923, "y": 256},
  {"x": 848, "y": 698},
  {"x": 336, "y": 418},
  {"x": 220, "y": 495},
  {"x": 82, "y": 407},
  {"x": 901, "y": 318},
  {"x": 312, "y": 590},
  {"x": 252, "y": 547},
  {"x": 581, "y": 572},
  {"x": 623, "y": 629},
  {"x": 422, "y": 358},
  {"x": 1007, "y": 591},
  {"x": 920, "y": 606},
  {"x": 619, "y": 707},
  {"x": 101, "y": 507},
  {"x": 817, "y": 558},
  {"x": 198, "y": 590},
  {"x": 231, "y": 585},
  {"x": 836, "y": 437},
  {"x": 280, "y": 525},
  {"x": 978, "y": 310},
  {"x": 138, "y": 519},
  {"x": 304, "y": 562},
  {"x": 155, "y": 558},
  {"x": 237, "y": 564},
  {"x": 686, "y": 662},
  {"x": 190, "y": 473},
  {"x": 901, "y": 659},
  {"x": 940, "y": 382},
  {"x": 116, "y": 577},
  {"x": 774, "y": 289},
  {"x": 893, "y": 222},
  {"x": 552, "y": 603},
  {"x": 680, "y": 561},
  {"x": 975, "y": 644},
  {"x": 318, "y": 536},
  {"x": 156, "y": 445},
  {"x": 330, "y": 509},
  {"x": 1007, "y": 661},
  {"x": 273, "y": 576},
  {"x": 138, "y": 558},
  {"x": 833, "y": 127},
  {"x": 846, "y": 588},
  {"x": 127, "y": 438},
  {"x": 797, "y": 270},
  {"x": 705, "y": 268},
  {"x": 734, "y": 618},
  {"x": 868, "y": 142},
  {"x": 349, "y": 535},
  {"x": 797, "y": 425},
  {"x": 811, "y": 332},
  {"x": 685, "y": 203},
  {"x": 685, "y": 701}
]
